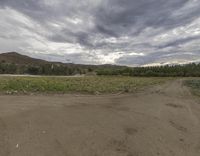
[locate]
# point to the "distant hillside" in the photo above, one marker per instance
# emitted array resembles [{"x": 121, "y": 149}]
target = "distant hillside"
[
  {"x": 19, "y": 59},
  {"x": 16, "y": 58},
  {"x": 15, "y": 63}
]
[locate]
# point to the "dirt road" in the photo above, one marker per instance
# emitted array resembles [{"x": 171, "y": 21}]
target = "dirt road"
[{"x": 161, "y": 121}]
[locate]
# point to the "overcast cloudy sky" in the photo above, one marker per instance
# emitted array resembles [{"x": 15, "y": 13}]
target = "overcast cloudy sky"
[{"x": 125, "y": 32}]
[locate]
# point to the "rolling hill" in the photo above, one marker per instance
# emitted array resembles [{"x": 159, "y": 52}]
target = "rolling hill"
[
  {"x": 19, "y": 59},
  {"x": 15, "y": 63},
  {"x": 16, "y": 58}
]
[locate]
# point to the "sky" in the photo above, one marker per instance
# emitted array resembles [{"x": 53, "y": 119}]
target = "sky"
[{"x": 122, "y": 32}]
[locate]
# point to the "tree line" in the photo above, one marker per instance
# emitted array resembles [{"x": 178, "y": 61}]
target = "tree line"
[
  {"x": 188, "y": 70},
  {"x": 45, "y": 69}
]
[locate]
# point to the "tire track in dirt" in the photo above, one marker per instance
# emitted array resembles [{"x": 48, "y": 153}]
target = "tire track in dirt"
[{"x": 4, "y": 146}]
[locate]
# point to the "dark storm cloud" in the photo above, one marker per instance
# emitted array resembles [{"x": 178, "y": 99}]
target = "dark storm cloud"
[
  {"x": 179, "y": 42},
  {"x": 113, "y": 26},
  {"x": 121, "y": 16}
]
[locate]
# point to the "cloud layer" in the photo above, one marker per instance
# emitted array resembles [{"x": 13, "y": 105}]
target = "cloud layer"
[{"x": 125, "y": 32}]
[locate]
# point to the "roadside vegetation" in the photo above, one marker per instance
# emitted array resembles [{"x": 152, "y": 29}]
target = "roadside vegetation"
[
  {"x": 194, "y": 85},
  {"x": 190, "y": 70},
  {"x": 90, "y": 84}
]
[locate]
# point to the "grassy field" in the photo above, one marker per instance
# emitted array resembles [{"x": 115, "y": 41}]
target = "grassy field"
[
  {"x": 194, "y": 85},
  {"x": 91, "y": 85}
]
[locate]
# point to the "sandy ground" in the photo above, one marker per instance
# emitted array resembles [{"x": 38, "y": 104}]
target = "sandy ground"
[
  {"x": 22, "y": 75},
  {"x": 161, "y": 121}
]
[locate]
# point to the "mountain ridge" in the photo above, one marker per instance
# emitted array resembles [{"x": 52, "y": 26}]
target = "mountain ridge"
[{"x": 21, "y": 59}]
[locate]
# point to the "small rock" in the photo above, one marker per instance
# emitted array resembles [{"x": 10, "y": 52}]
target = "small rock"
[
  {"x": 97, "y": 93},
  {"x": 44, "y": 132},
  {"x": 17, "y": 146}
]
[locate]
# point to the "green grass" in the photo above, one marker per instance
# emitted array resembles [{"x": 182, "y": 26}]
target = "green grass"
[
  {"x": 91, "y": 85},
  {"x": 194, "y": 85}
]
